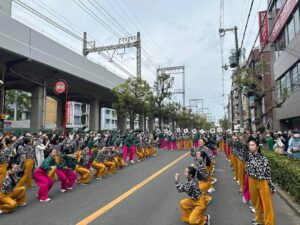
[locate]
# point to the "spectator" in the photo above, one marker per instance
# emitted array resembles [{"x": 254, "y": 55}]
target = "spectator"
[
  {"x": 294, "y": 145},
  {"x": 279, "y": 144},
  {"x": 288, "y": 140},
  {"x": 270, "y": 141}
]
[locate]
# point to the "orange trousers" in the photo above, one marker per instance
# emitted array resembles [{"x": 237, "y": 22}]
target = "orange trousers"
[
  {"x": 233, "y": 161},
  {"x": 120, "y": 162},
  {"x": 261, "y": 199},
  {"x": 3, "y": 171},
  {"x": 85, "y": 175},
  {"x": 140, "y": 154},
  {"x": 193, "y": 211},
  {"x": 204, "y": 186},
  {"x": 241, "y": 166},
  {"x": 10, "y": 201},
  {"x": 100, "y": 168},
  {"x": 111, "y": 166},
  {"x": 27, "y": 176}
]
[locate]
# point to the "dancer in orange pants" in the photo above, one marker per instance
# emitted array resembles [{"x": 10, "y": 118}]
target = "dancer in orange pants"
[
  {"x": 11, "y": 196},
  {"x": 194, "y": 207},
  {"x": 260, "y": 185}
]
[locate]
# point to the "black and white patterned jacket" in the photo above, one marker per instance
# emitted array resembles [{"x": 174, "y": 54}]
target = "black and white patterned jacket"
[
  {"x": 5, "y": 155},
  {"x": 201, "y": 173},
  {"x": 258, "y": 168},
  {"x": 9, "y": 183},
  {"x": 190, "y": 187}
]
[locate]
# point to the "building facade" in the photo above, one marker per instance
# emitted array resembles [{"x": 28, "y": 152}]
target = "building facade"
[
  {"x": 284, "y": 35},
  {"x": 108, "y": 119}
]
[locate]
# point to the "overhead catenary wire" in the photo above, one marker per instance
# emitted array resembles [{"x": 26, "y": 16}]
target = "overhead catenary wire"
[
  {"x": 132, "y": 22},
  {"x": 58, "y": 26},
  {"x": 101, "y": 21}
]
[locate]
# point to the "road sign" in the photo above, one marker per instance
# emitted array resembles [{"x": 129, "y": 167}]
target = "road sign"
[{"x": 60, "y": 87}]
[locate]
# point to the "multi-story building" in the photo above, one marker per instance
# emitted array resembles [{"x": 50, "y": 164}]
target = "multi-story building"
[
  {"x": 77, "y": 115},
  {"x": 284, "y": 27},
  {"x": 252, "y": 87},
  {"x": 108, "y": 119}
]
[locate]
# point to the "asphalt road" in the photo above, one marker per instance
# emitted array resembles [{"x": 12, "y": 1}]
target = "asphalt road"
[{"x": 155, "y": 203}]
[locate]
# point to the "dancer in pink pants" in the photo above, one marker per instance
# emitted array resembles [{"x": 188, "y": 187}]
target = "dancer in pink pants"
[
  {"x": 169, "y": 141},
  {"x": 174, "y": 142},
  {"x": 42, "y": 179},
  {"x": 66, "y": 172}
]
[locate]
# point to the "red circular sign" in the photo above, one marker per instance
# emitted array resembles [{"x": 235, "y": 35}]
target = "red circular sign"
[{"x": 60, "y": 87}]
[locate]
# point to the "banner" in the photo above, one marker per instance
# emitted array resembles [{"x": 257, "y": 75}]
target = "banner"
[{"x": 264, "y": 30}]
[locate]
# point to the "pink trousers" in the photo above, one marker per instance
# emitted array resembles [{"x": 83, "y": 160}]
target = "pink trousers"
[
  {"x": 132, "y": 152},
  {"x": 162, "y": 144},
  {"x": 246, "y": 192},
  {"x": 44, "y": 182},
  {"x": 125, "y": 152},
  {"x": 174, "y": 145},
  {"x": 169, "y": 145},
  {"x": 67, "y": 178},
  {"x": 196, "y": 144}
]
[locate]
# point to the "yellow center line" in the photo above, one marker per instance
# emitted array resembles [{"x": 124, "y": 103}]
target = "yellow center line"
[{"x": 122, "y": 197}]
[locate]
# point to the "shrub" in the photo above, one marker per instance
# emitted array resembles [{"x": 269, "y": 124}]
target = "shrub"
[{"x": 286, "y": 173}]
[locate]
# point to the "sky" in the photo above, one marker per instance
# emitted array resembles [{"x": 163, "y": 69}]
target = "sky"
[{"x": 173, "y": 33}]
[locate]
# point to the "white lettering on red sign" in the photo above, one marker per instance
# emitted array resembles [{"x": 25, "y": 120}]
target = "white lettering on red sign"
[{"x": 60, "y": 87}]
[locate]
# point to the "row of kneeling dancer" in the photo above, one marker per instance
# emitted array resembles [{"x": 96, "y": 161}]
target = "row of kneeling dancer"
[
  {"x": 198, "y": 186},
  {"x": 68, "y": 168}
]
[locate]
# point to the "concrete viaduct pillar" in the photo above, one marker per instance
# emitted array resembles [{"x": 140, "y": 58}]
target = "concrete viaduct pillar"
[
  {"x": 95, "y": 115},
  {"x": 37, "y": 109}
]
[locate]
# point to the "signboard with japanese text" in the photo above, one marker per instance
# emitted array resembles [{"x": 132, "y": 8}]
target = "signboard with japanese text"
[{"x": 263, "y": 25}]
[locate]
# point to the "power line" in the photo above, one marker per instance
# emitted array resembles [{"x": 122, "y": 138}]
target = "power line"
[
  {"x": 250, "y": 32},
  {"x": 245, "y": 29},
  {"x": 150, "y": 40},
  {"x": 58, "y": 26},
  {"x": 130, "y": 24}
]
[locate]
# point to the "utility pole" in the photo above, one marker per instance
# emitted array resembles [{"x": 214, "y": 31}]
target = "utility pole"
[
  {"x": 127, "y": 42},
  {"x": 236, "y": 63},
  {"x": 175, "y": 70}
]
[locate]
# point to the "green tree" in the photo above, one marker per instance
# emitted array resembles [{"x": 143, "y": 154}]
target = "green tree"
[
  {"x": 224, "y": 123},
  {"x": 20, "y": 99},
  {"x": 131, "y": 99},
  {"x": 162, "y": 90}
]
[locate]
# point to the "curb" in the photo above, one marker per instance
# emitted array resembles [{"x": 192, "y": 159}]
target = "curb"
[{"x": 289, "y": 201}]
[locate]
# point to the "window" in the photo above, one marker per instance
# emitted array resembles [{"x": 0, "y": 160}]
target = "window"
[
  {"x": 294, "y": 78},
  {"x": 107, "y": 121},
  {"x": 114, "y": 113},
  {"x": 77, "y": 120},
  {"x": 77, "y": 107},
  {"x": 279, "y": 4},
  {"x": 107, "y": 112},
  {"x": 278, "y": 89},
  {"x": 297, "y": 21},
  {"x": 291, "y": 30}
]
